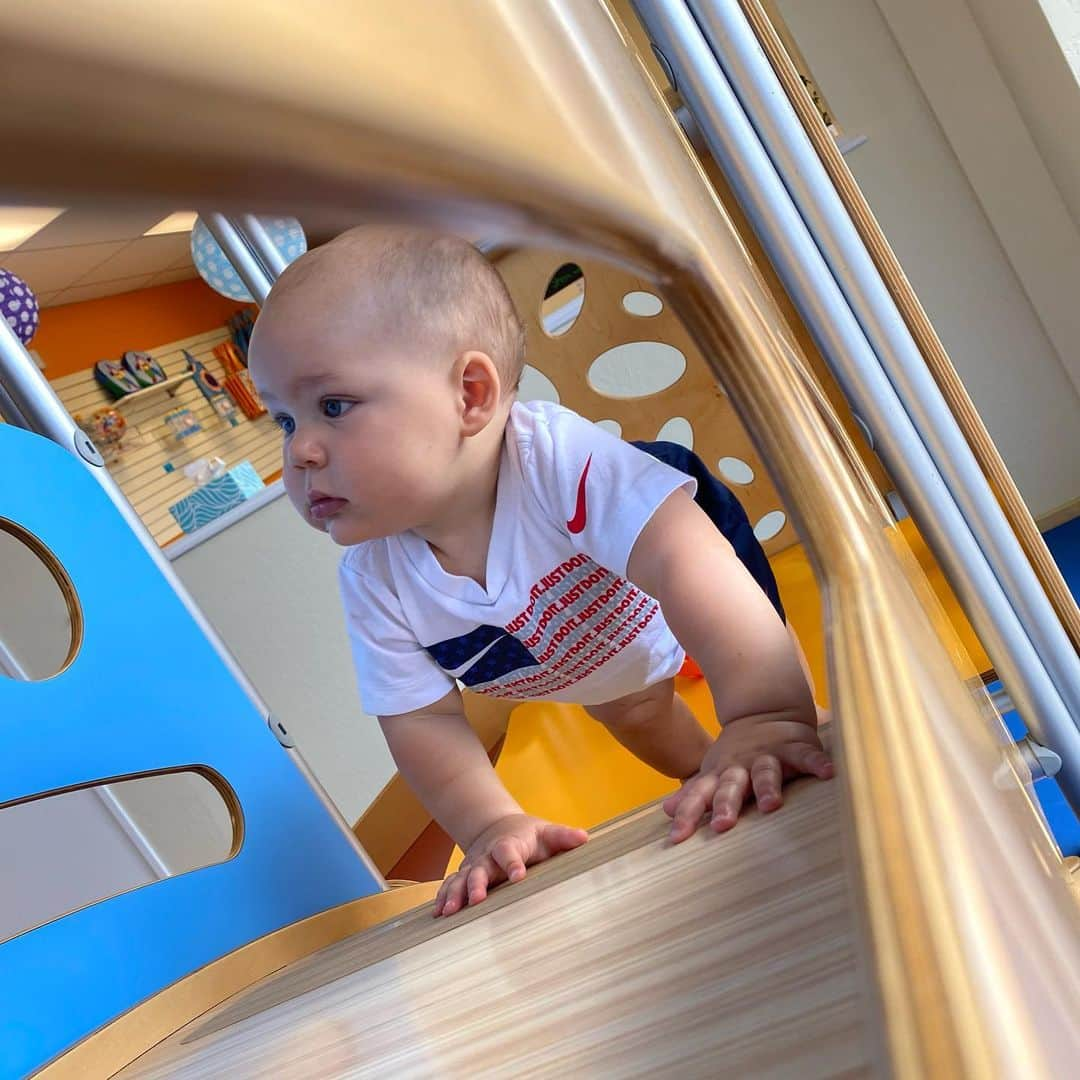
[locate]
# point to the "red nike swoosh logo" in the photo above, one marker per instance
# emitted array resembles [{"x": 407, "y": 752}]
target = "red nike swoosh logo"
[{"x": 577, "y": 522}]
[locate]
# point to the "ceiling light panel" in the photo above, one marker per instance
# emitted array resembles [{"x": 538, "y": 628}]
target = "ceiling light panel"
[{"x": 19, "y": 223}]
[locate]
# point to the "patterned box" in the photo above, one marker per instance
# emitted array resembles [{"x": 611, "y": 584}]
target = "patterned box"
[{"x": 217, "y": 497}]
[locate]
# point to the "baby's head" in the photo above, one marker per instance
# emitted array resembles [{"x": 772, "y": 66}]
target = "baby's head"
[{"x": 390, "y": 358}]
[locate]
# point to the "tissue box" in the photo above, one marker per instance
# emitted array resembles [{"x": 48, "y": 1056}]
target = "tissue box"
[{"x": 217, "y": 497}]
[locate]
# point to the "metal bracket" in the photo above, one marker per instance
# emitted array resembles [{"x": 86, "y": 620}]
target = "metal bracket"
[
  {"x": 85, "y": 448},
  {"x": 277, "y": 728},
  {"x": 1040, "y": 760}
]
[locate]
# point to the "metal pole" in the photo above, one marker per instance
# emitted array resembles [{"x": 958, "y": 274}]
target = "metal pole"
[
  {"x": 769, "y": 110},
  {"x": 792, "y": 250},
  {"x": 28, "y": 401},
  {"x": 258, "y": 239},
  {"x": 10, "y": 411},
  {"x": 253, "y": 272}
]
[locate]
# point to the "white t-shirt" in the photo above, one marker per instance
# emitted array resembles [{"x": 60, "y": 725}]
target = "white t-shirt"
[{"x": 558, "y": 620}]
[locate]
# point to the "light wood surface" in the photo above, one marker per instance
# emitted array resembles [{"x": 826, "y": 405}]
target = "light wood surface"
[
  {"x": 726, "y": 955},
  {"x": 119, "y": 1043}
]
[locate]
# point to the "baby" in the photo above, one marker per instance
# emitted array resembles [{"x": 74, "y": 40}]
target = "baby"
[{"x": 516, "y": 548}]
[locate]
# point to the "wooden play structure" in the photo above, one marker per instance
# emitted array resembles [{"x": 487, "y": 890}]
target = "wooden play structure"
[{"x": 911, "y": 918}]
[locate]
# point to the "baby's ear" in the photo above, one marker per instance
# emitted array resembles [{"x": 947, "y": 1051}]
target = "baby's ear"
[{"x": 480, "y": 390}]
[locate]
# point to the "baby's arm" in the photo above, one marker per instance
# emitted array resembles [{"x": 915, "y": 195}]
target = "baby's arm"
[
  {"x": 444, "y": 762},
  {"x": 720, "y": 615}
]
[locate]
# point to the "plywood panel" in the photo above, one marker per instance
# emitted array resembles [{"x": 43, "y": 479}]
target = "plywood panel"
[{"x": 604, "y": 323}]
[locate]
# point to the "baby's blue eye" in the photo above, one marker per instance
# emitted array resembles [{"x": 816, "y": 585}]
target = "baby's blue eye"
[
  {"x": 286, "y": 423},
  {"x": 335, "y": 408}
]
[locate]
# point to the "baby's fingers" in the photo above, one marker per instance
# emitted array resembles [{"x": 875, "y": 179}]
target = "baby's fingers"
[
  {"x": 557, "y": 838},
  {"x": 695, "y": 796},
  {"x": 806, "y": 758},
  {"x": 671, "y": 803},
  {"x": 507, "y": 856},
  {"x": 451, "y": 895},
  {"x": 766, "y": 776},
  {"x": 732, "y": 788},
  {"x": 477, "y": 884}
]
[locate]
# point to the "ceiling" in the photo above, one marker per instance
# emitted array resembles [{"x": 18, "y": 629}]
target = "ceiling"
[{"x": 90, "y": 252}]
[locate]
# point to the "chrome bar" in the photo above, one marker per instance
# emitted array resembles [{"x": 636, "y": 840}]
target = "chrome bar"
[
  {"x": 766, "y": 105},
  {"x": 253, "y": 272},
  {"x": 258, "y": 239},
  {"x": 9, "y": 411},
  {"x": 812, "y": 288},
  {"x": 29, "y": 401}
]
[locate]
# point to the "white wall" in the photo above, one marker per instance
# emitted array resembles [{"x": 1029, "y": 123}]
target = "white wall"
[
  {"x": 61, "y": 854},
  {"x": 1064, "y": 19},
  {"x": 945, "y": 240},
  {"x": 268, "y": 584}
]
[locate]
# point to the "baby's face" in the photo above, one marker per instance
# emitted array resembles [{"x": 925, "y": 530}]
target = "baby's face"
[{"x": 370, "y": 433}]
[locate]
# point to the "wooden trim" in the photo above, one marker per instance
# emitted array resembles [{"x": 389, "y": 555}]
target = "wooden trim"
[
  {"x": 119, "y": 1043},
  {"x": 1063, "y": 514},
  {"x": 937, "y": 360}
]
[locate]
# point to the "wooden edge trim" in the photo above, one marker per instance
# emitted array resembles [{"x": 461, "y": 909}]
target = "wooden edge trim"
[
  {"x": 937, "y": 360},
  {"x": 130, "y": 1035}
]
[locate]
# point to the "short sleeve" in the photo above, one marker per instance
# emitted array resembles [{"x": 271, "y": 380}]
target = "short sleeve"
[
  {"x": 598, "y": 489},
  {"x": 394, "y": 672}
]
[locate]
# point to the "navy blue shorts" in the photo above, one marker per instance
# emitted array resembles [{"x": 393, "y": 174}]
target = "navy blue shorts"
[{"x": 725, "y": 512}]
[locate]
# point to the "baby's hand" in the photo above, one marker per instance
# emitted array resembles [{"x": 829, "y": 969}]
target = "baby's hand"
[
  {"x": 751, "y": 757},
  {"x": 501, "y": 853}
]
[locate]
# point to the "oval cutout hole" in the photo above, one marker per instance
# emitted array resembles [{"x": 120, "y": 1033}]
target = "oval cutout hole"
[
  {"x": 677, "y": 430},
  {"x": 768, "y": 526},
  {"x": 636, "y": 369},
  {"x": 563, "y": 300},
  {"x": 536, "y": 386},
  {"x": 735, "y": 471},
  {"x": 642, "y": 304},
  {"x": 612, "y": 427},
  {"x": 40, "y": 616},
  {"x": 78, "y": 847}
]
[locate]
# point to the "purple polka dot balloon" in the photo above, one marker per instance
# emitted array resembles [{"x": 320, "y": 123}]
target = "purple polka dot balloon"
[{"x": 18, "y": 306}]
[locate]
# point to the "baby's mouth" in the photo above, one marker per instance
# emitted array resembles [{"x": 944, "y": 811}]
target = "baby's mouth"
[{"x": 322, "y": 506}]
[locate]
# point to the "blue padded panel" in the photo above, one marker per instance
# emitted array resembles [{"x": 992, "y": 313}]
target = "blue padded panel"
[{"x": 130, "y": 706}]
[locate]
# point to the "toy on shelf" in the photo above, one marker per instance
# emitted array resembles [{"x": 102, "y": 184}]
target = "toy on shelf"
[
  {"x": 106, "y": 428},
  {"x": 115, "y": 378},
  {"x": 240, "y": 326},
  {"x": 212, "y": 390},
  {"x": 238, "y": 382},
  {"x": 182, "y": 424},
  {"x": 143, "y": 368}
]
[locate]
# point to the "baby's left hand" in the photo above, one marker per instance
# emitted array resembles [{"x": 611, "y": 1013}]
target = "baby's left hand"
[{"x": 752, "y": 756}]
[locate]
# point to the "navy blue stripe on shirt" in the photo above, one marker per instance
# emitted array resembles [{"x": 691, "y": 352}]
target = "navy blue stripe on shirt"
[
  {"x": 505, "y": 656},
  {"x": 453, "y": 652}
]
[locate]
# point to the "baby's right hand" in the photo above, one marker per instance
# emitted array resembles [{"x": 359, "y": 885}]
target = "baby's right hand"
[{"x": 501, "y": 853}]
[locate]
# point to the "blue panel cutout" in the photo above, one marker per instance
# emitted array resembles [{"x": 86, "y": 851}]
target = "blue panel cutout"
[{"x": 113, "y": 712}]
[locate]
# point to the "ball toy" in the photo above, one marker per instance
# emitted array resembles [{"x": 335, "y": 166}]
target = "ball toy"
[{"x": 18, "y": 306}]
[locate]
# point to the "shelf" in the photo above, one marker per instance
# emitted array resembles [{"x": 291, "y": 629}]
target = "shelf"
[{"x": 170, "y": 385}]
